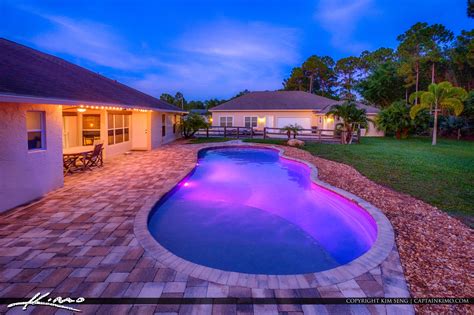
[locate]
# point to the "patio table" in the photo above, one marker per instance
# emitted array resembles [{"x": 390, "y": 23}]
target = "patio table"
[{"x": 72, "y": 155}]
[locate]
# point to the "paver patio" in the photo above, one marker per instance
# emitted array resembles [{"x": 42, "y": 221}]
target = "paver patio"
[{"x": 80, "y": 241}]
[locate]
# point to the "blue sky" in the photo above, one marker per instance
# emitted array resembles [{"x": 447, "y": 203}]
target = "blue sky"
[{"x": 214, "y": 48}]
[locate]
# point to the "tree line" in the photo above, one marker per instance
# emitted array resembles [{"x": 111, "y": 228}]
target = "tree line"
[
  {"x": 403, "y": 81},
  {"x": 179, "y": 101},
  {"x": 425, "y": 54}
]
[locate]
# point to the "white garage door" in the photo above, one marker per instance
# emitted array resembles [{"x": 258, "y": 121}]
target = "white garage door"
[{"x": 303, "y": 122}]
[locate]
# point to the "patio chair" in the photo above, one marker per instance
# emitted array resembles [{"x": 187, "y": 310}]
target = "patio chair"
[
  {"x": 94, "y": 158},
  {"x": 70, "y": 163}
]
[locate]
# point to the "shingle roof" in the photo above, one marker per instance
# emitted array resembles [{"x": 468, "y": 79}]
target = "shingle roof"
[
  {"x": 368, "y": 109},
  {"x": 282, "y": 100},
  {"x": 28, "y": 72}
]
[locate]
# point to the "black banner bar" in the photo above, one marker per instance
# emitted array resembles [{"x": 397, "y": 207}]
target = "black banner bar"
[{"x": 381, "y": 300}]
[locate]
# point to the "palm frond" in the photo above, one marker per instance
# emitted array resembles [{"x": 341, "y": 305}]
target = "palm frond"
[
  {"x": 453, "y": 104},
  {"x": 445, "y": 85},
  {"x": 415, "y": 95},
  {"x": 416, "y": 109},
  {"x": 427, "y": 98},
  {"x": 458, "y": 93}
]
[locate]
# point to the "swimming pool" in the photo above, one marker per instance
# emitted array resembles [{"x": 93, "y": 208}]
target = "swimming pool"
[{"x": 249, "y": 210}]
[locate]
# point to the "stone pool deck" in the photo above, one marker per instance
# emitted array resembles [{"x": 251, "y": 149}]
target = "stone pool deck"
[{"x": 80, "y": 241}]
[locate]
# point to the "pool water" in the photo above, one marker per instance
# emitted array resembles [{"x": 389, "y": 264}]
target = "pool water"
[{"x": 249, "y": 210}]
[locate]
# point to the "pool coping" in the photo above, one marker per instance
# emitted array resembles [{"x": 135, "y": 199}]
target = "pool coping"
[{"x": 371, "y": 259}]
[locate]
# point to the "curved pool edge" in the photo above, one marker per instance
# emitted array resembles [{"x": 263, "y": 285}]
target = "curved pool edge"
[{"x": 379, "y": 251}]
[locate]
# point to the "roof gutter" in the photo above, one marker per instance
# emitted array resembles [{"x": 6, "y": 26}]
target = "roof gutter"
[
  {"x": 264, "y": 110},
  {"x": 12, "y": 98}
]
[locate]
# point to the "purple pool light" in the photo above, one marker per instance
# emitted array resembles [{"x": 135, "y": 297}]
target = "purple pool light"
[{"x": 249, "y": 210}]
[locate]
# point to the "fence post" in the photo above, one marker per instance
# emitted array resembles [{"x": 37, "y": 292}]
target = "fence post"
[
  {"x": 264, "y": 132},
  {"x": 238, "y": 133},
  {"x": 207, "y": 132},
  {"x": 251, "y": 132},
  {"x": 319, "y": 135},
  {"x": 225, "y": 132}
]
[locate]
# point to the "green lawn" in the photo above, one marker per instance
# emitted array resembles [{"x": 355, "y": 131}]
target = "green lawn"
[{"x": 441, "y": 175}]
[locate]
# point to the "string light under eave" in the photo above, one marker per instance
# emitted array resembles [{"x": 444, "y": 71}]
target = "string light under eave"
[{"x": 83, "y": 108}]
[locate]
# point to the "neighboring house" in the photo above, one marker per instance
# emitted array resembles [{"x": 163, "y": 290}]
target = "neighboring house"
[
  {"x": 48, "y": 104},
  {"x": 277, "y": 109}
]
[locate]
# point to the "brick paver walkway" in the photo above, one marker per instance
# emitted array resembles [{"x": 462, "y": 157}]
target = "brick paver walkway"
[{"x": 79, "y": 241}]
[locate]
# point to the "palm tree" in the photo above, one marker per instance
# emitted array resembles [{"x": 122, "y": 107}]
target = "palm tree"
[
  {"x": 292, "y": 129},
  {"x": 441, "y": 96},
  {"x": 351, "y": 118},
  {"x": 396, "y": 119}
]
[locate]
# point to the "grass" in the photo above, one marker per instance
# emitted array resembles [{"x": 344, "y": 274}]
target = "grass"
[{"x": 441, "y": 175}]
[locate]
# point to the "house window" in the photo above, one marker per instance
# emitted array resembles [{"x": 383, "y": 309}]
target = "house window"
[
  {"x": 250, "y": 121},
  {"x": 118, "y": 128},
  {"x": 35, "y": 126},
  {"x": 90, "y": 129},
  {"x": 226, "y": 121},
  {"x": 163, "y": 125},
  {"x": 175, "y": 121}
]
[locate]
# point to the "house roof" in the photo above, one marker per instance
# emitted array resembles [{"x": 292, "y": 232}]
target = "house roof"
[
  {"x": 29, "y": 73},
  {"x": 368, "y": 109},
  {"x": 282, "y": 101}
]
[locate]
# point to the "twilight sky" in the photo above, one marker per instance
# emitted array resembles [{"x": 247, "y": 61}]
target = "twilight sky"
[{"x": 214, "y": 48}]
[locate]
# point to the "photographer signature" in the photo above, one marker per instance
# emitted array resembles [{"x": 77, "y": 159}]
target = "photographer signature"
[{"x": 57, "y": 302}]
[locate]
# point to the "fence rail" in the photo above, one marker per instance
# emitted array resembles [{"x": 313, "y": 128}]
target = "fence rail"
[{"x": 317, "y": 135}]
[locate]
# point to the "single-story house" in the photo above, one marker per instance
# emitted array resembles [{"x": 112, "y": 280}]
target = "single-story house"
[
  {"x": 277, "y": 109},
  {"x": 48, "y": 105}
]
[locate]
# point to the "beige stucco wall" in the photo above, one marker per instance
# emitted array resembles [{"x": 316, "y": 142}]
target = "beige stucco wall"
[
  {"x": 156, "y": 132},
  {"x": 373, "y": 131},
  {"x": 238, "y": 117},
  {"x": 28, "y": 175},
  {"x": 317, "y": 120},
  {"x": 329, "y": 123}
]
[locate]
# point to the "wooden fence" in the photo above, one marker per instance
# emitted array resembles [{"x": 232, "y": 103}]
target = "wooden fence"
[{"x": 318, "y": 135}]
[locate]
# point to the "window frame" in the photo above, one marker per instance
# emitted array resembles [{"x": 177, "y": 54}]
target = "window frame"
[
  {"x": 226, "y": 124},
  {"x": 125, "y": 127},
  {"x": 251, "y": 118},
  {"x": 42, "y": 130},
  {"x": 90, "y": 130},
  {"x": 163, "y": 125}
]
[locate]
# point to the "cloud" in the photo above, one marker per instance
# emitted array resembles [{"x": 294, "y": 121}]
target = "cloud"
[
  {"x": 216, "y": 59},
  {"x": 91, "y": 41},
  {"x": 227, "y": 57},
  {"x": 245, "y": 41},
  {"x": 340, "y": 19}
]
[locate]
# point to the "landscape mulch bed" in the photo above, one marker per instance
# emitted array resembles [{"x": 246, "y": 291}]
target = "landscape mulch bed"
[{"x": 436, "y": 250}]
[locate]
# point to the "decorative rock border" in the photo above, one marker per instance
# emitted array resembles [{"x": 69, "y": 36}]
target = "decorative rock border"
[{"x": 372, "y": 258}]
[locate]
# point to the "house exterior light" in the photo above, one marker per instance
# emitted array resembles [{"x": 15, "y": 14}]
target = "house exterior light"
[{"x": 81, "y": 110}]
